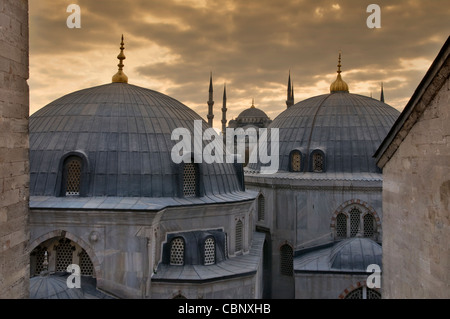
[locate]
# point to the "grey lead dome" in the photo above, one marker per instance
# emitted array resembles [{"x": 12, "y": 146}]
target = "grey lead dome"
[
  {"x": 124, "y": 131},
  {"x": 346, "y": 127}
]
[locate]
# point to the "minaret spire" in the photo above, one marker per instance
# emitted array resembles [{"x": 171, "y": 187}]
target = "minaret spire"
[
  {"x": 120, "y": 77},
  {"x": 382, "y": 93},
  {"x": 224, "y": 109},
  {"x": 210, "y": 102},
  {"x": 290, "y": 92}
]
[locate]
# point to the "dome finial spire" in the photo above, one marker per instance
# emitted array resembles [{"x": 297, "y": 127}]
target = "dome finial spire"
[
  {"x": 120, "y": 77},
  {"x": 339, "y": 85}
]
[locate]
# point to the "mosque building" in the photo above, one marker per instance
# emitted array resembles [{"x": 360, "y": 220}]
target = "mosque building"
[{"x": 105, "y": 195}]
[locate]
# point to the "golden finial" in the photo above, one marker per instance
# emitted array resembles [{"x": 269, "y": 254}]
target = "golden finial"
[
  {"x": 120, "y": 77},
  {"x": 253, "y": 103},
  {"x": 339, "y": 85}
]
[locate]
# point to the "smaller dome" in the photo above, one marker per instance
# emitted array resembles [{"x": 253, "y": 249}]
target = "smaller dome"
[
  {"x": 253, "y": 115},
  {"x": 355, "y": 254}
]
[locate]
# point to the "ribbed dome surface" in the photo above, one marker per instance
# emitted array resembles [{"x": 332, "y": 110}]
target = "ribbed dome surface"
[
  {"x": 125, "y": 133},
  {"x": 347, "y": 128}
]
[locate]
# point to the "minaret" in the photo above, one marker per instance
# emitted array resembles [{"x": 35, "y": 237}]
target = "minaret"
[
  {"x": 224, "y": 110},
  {"x": 290, "y": 92},
  {"x": 382, "y": 93},
  {"x": 120, "y": 77},
  {"x": 210, "y": 103}
]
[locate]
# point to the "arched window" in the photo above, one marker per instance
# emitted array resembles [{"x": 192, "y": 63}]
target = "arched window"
[
  {"x": 317, "y": 162},
  {"x": 210, "y": 251},
  {"x": 177, "y": 251},
  {"x": 296, "y": 161},
  {"x": 363, "y": 293},
  {"x": 190, "y": 180},
  {"x": 341, "y": 226},
  {"x": 238, "y": 242},
  {"x": 286, "y": 260},
  {"x": 355, "y": 216},
  {"x": 261, "y": 207},
  {"x": 369, "y": 228},
  {"x": 72, "y": 176}
]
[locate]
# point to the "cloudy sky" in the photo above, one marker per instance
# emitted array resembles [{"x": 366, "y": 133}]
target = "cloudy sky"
[{"x": 171, "y": 46}]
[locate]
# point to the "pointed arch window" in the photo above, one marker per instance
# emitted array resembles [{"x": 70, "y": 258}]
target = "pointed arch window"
[
  {"x": 369, "y": 228},
  {"x": 190, "y": 180},
  {"x": 286, "y": 260},
  {"x": 296, "y": 161},
  {"x": 72, "y": 176}
]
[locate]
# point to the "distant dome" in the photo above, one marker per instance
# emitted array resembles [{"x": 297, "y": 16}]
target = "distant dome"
[
  {"x": 346, "y": 128},
  {"x": 124, "y": 133},
  {"x": 252, "y": 115}
]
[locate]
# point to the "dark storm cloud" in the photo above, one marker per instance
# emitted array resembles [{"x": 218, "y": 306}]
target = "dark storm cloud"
[{"x": 251, "y": 45}]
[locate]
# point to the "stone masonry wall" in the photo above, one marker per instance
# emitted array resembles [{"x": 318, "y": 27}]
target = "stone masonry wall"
[
  {"x": 14, "y": 181},
  {"x": 416, "y": 205}
]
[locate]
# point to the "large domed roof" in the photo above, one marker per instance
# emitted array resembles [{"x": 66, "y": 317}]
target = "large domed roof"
[
  {"x": 124, "y": 132},
  {"x": 346, "y": 128}
]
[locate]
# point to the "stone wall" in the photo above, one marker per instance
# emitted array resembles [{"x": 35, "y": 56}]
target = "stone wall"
[
  {"x": 14, "y": 110},
  {"x": 416, "y": 205}
]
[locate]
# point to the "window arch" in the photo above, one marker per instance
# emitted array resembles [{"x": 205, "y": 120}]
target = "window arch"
[
  {"x": 355, "y": 218},
  {"x": 177, "y": 251},
  {"x": 295, "y": 161},
  {"x": 73, "y": 166},
  {"x": 239, "y": 236},
  {"x": 209, "y": 251},
  {"x": 286, "y": 260},
  {"x": 190, "y": 180},
  {"x": 363, "y": 293},
  {"x": 261, "y": 207}
]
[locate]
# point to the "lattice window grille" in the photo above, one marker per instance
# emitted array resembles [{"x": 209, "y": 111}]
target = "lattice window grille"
[
  {"x": 355, "y": 294},
  {"x": 317, "y": 162},
  {"x": 64, "y": 255},
  {"x": 40, "y": 256},
  {"x": 369, "y": 229},
  {"x": 286, "y": 260},
  {"x": 363, "y": 293},
  {"x": 355, "y": 215},
  {"x": 86, "y": 265},
  {"x": 373, "y": 294},
  {"x": 261, "y": 208},
  {"x": 210, "y": 252},
  {"x": 239, "y": 228},
  {"x": 177, "y": 251},
  {"x": 296, "y": 161},
  {"x": 341, "y": 226},
  {"x": 73, "y": 177},
  {"x": 190, "y": 180}
]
